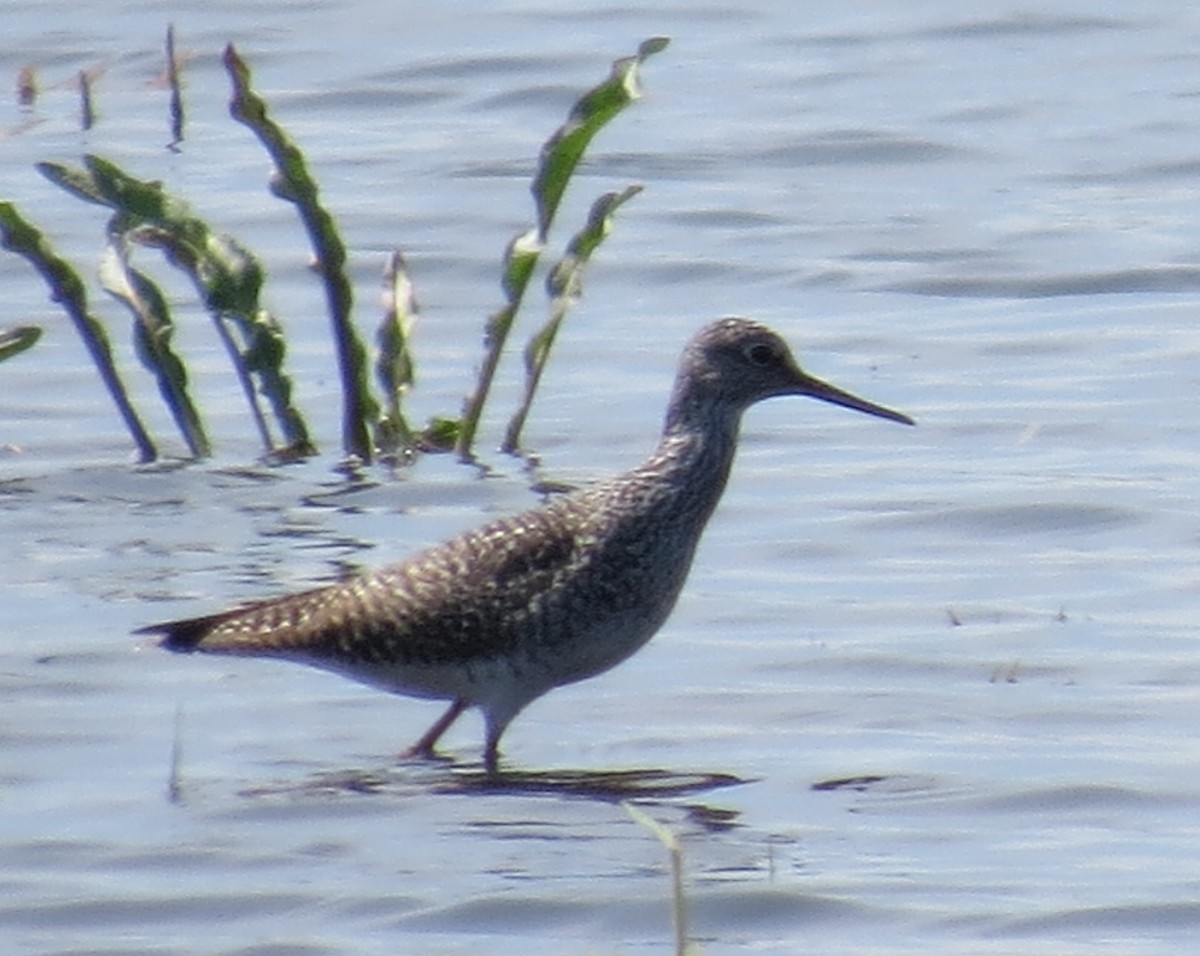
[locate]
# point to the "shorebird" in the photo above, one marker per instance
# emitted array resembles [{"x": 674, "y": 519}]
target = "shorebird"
[{"x": 498, "y": 616}]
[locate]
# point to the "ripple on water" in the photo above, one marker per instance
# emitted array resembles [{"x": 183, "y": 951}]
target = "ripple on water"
[
  {"x": 1032, "y": 517},
  {"x": 1149, "y": 279},
  {"x": 959, "y": 661}
]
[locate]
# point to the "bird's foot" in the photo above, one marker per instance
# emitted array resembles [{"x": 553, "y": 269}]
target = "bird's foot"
[{"x": 423, "y": 753}]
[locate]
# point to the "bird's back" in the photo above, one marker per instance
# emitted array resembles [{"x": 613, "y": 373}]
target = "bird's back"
[{"x": 567, "y": 589}]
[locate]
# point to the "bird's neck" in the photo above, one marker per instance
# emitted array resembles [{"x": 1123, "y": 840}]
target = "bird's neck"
[{"x": 695, "y": 454}]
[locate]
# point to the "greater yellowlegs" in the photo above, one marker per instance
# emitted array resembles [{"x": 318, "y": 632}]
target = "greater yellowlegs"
[{"x": 497, "y": 616}]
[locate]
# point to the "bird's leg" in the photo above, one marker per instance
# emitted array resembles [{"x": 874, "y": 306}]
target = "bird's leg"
[
  {"x": 491, "y": 749},
  {"x": 424, "y": 746},
  {"x": 491, "y": 757}
]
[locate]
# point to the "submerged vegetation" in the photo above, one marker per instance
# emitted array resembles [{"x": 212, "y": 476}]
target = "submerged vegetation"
[{"x": 229, "y": 280}]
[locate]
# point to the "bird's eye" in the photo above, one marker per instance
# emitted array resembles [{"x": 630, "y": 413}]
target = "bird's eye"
[{"x": 761, "y": 355}]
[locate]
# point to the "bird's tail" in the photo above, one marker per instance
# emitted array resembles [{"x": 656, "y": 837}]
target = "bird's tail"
[{"x": 184, "y": 636}]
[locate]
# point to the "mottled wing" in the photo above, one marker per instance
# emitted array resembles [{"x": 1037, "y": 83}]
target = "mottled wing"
[{"x": 470, "y": 598}]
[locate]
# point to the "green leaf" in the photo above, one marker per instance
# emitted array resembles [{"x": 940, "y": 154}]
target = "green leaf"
[
  {"x": 16, "y": 340},
  {"x": 441, "y": 434},
  {"x": 152, "y": 331},
  {"x": 293, "y": 182},
  {"x": 595, "y": 109},
  {"x": 559, "y": 157},
  {"x": 564, "y": 285},
  {"x": 396, "y": 366},
  {"x": 66, "y": 288},
  {"x": 226, "y": 275}
]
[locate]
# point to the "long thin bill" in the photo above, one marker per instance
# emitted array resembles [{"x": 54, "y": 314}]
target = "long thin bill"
[{"x": 834, "y": 395}]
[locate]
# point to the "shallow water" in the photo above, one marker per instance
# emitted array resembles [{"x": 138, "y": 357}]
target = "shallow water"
[{"x": 954, "y": 665}]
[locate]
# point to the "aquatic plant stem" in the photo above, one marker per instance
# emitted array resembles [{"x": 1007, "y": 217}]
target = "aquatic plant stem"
[
  {"x": 667, "y": 837},
  {"x": 294, "y": 183},
  {"x": 559, "y": 157},
  {"x": 174, "y": 85},
  {"x": 227, "y": 276},
  {"x": 152, "y": 332},
  {"x": 564, "y": 285},
  {"x": 66, "y": 288},
  {"x": 396, "y": 366},
  {"x": 16, "y": 340}
]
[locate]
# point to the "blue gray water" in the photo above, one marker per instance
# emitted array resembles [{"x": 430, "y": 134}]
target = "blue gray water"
[{"x": 982, "y": 215}]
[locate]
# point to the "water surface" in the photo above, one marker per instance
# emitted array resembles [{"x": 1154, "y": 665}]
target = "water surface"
[{"x": 956, "y": 665}]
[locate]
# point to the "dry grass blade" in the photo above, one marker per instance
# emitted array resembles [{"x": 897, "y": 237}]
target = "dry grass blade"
[{"x": 667, "y": 838}]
